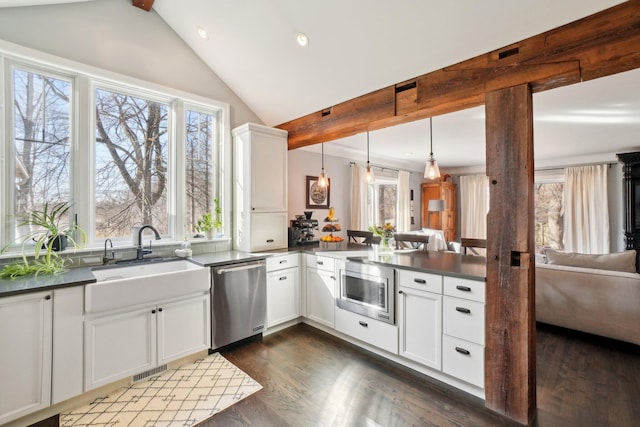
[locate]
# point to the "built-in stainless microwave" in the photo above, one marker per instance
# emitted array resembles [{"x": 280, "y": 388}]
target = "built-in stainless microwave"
[{"x": 368, "y": 289}]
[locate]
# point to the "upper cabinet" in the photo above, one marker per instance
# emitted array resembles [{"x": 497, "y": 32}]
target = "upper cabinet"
[
  {"x": 445, "y": 221},
  {"x": 260, "y": 187}
]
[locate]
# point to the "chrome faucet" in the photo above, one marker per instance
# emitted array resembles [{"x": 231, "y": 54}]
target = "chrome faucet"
[
  {"x": 105, "y": 259},
  {"x": 140, "y": 252}
]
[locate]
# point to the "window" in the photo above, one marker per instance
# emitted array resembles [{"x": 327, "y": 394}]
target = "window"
[
  {"x": 548, "y": 211},
  {"x": 155, "y": 155},
  {"x": 131, "y": 173},
  {"x": 200, "y": 156},
  {"x": 41, "y": 141},
  {"x": 382, "y": 200}
]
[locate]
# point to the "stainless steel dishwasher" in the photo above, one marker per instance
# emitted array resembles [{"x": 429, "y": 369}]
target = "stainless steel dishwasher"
[{"x": 238, "y": 301}]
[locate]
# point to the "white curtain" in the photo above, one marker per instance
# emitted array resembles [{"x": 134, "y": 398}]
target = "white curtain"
[
  {"x": 586, "y": 212},
  {"x": 474, "y": 205},
  {"x": 404, "y": 203},
  {"x": 358, "y": 198}
]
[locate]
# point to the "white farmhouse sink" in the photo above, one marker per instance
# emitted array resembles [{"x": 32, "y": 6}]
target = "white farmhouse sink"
[{"x": 144, "y": 283}]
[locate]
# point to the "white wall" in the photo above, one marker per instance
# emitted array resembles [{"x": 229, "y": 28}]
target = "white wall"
[
  {"x": 303, "y": 163},
  {"x": 116, "y": 36}
]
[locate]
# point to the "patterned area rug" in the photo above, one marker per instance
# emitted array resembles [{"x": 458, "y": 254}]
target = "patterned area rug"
[{"x": 178, "y": 397}]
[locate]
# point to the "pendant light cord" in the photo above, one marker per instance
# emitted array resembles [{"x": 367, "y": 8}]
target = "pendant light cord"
[
  {"x": 322, "y": 146},
  {"x": 431, "y": 135},
  {"x": 367, "y": 148}
]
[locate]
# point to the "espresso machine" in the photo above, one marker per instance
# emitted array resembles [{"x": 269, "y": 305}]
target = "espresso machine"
[{"x": 301, "y": 230}]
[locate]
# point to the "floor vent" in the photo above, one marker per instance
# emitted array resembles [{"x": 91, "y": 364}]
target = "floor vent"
[{"x": 150, "y": 372}]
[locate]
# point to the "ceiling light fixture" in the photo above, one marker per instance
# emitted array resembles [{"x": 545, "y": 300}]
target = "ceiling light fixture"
[
  {"x": 203, "y": 33},
  {"x": 432, "y": 171},
  {"x": 302, "y": 39},
  {"x": 323, "y": 181},
  {"x": 370, "y": 176}
]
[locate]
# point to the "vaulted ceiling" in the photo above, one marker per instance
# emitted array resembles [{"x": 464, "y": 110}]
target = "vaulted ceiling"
[{"x": 359, "y": 46}]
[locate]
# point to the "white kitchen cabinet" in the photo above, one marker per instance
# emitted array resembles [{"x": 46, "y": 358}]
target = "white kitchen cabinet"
[
  {"x": 67, "y": 377},
  {"x": 260, "y": 188},
  {"x": 25, "y": 354},
  {"x": 283, "y": 289},
  {"x": 125, "y": 342},
  {"x": 463, "y": 330},
  {"x": 119, "y": 345},
  {"x": 366, "y": 329},
  {"x": 420, "y": 327},
  {"x": 184, "y": 328},
  {"x": 321, "y": 289}
]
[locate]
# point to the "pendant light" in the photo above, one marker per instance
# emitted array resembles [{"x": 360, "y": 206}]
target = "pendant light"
[
  {"x": 432, "y": 171},
  {"x": 370, "y": 176},
  {"x": 323, "y": 181}
]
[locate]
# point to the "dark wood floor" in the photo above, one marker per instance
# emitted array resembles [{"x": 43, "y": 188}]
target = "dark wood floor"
[{"x": 311, "y": 378}]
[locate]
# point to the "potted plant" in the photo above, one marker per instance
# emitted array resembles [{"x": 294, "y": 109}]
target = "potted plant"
[
  {"x": 205, "y": 225},
  {"x": 50, "y": 235},
  {"x": 217, "y": 219},
  {"x": 209, "y": 223}
]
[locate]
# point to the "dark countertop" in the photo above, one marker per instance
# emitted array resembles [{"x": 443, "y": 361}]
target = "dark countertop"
[
  {"x": 72, "y": 277},
  {"x": 465, "y": 266},
  {"x": 448, "y": 263}
]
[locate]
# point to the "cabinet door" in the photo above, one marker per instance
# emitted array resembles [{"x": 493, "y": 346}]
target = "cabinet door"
[
  {"x": 268, "y": 231},
  {"x": 25, "y": 354},
  {"x": 184, "y": 328},
  {"x": 282, "y": 296},
  {"x": 321, "y": 296},
  {"x": 419, "y": 321},
  {"x": 268, "y": 171},
  {"x": 68, "y": 343},
  {"x": 119, "y": 345}
]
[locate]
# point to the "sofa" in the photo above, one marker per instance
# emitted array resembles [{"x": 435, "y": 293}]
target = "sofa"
[{"x": 598, "y": 294}]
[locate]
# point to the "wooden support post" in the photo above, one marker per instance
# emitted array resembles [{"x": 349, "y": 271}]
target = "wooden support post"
[{"x": 510, "y": 364}]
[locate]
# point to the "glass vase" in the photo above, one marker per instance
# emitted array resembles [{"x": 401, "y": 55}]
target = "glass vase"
[{"x": 385, "y": 247}]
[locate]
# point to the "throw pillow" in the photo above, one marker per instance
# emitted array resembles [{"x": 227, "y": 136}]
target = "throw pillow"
[{"x": 620, "y": 261}]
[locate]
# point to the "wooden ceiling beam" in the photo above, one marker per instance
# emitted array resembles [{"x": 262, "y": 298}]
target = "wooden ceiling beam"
[
  {"x": 599, "y": 45},
  {"x": 143, "y": 4}
]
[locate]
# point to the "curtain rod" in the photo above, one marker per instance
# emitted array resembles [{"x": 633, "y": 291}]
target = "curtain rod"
[
  {"x": 381, "y": 167},
  {"x": 542, "y": 169}
]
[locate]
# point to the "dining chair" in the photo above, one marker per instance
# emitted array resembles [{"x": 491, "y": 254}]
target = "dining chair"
[
  {"x": 415, "y": 241},
  {"x": 362, "y": 237},
  {"x": 472, "y": 245}
]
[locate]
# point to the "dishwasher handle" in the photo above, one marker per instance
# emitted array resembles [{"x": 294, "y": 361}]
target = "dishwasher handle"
[{"x": 240, "y": 267}]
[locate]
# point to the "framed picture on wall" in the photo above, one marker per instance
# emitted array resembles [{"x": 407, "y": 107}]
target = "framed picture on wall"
[{"x": 317, "y": 197}]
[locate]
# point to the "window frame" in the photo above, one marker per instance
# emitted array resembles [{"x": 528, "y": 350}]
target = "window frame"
[
  {"x": 374, "y": 207},
  {"x": 85, "y": 80}
]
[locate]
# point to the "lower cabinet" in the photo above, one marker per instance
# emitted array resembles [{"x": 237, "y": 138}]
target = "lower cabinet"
[
  {"x": 419, "y": 317},
  {"x": 125, "y": 343},
  {"x": 321, "y": 289},
  {"x": 25, "y": 354},
  {"x": 366, "y": 329},
  {"x": 283, "y": 289},
  {"x": 184, "y": 328}
]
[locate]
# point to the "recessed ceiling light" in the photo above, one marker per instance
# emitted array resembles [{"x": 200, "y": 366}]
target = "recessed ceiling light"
[
  {"x": 203, "y": 33},
  {"x": 408, "y": 153},
  {"x": 302, "y": 39}
]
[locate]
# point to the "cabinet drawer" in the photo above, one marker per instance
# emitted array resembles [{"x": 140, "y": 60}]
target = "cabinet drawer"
[
  {"x": 281, "y": 262},
  {"x": 463, "y": 359},
  {"x": 321, "y": 263},
  {"x": 463, "y": 319},
  {"x": 421, "y": 281},
  {"x": 371, "y": 331},
  {"x": 464, "y": 288}
]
